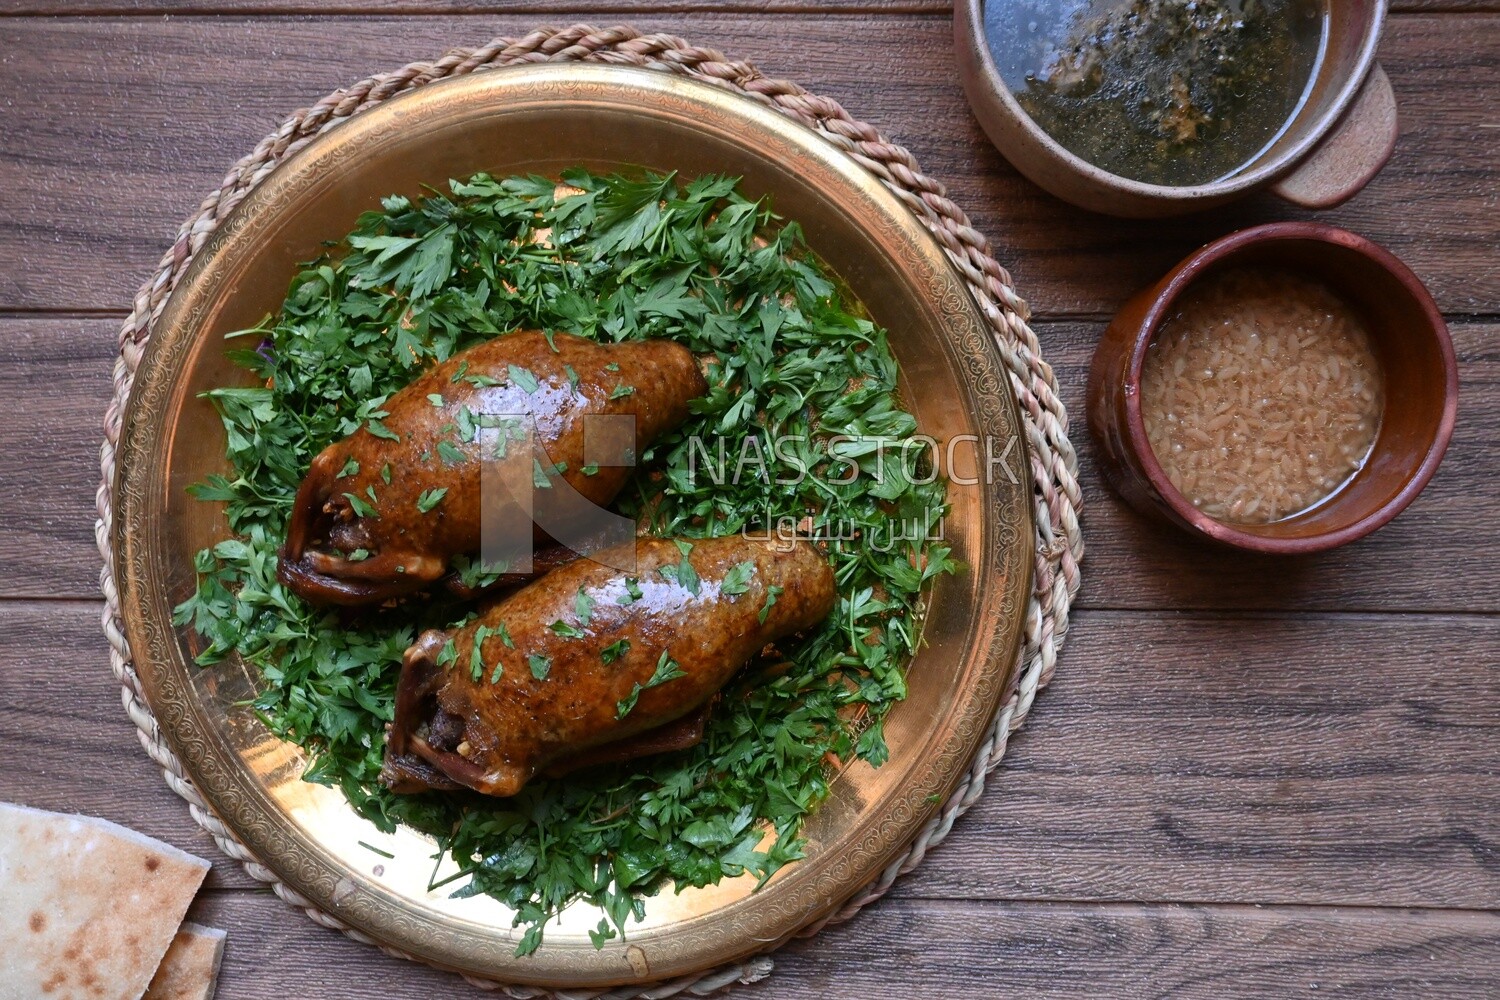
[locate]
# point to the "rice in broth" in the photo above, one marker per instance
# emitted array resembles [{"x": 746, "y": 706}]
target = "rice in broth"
[{"x": 1262, "y": 395}]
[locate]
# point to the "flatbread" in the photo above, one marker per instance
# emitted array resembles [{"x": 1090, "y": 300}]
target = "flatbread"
[
  {"x": 190, "y": 968},
  {"x": 87, "y": 907}
]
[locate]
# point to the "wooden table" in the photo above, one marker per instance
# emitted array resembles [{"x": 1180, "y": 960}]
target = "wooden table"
[{"x": 1249, "y": 777}]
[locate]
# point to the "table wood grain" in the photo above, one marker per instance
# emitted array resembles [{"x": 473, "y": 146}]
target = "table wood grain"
[{"x": 1250, "y": 777}]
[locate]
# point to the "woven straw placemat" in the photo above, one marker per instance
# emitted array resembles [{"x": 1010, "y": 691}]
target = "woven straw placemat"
[{"x": 1054, "y": 466}]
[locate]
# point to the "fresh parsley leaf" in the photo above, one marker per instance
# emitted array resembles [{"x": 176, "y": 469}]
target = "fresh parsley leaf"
[
  {"x": 682, "y": 572},
  {"x": 360, "y": 507},
  {"x": 430, "y": 498},
  {"x": 523, "y": 378},
  {"x": 567, "y": 631},
  {"x": 772, "y": 592},
  {"x": 667, "y": 669},
  {"x": 614, "y": 650},
  {"x": 539, "y": 665},
  {"x": 476, "y": 652},
  {"x": 737, "y": 580}
]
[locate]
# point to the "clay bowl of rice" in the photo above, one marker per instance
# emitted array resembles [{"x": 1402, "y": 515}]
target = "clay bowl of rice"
[{"x": 1286, "y": 389}]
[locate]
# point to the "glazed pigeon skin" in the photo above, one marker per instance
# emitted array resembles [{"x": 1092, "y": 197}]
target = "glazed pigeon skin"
[
  {"x": 593, "y": 663},
  {"x": 399, "y": 536}
]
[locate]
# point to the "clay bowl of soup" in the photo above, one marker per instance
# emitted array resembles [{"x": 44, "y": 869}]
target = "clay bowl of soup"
[
  {"x": 1158, "y": 107},
  {"x": 1286, "y": 389}
]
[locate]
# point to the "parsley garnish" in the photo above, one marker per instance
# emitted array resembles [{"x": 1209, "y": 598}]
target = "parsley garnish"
[
  {"x": 614, "y": 650},
  {"x": 422, "y": 279},
  {"x": 476, "y": 653},
  {"x": 772, "y": 592},
  {"x": 360, "y": 507},
  {"x": 737, "y": 580},
  {"x": 539, "y": 665},
  {"x": 523, "y": 378},
  {"x": 666, "y": 670},
  {"x": 567, "y": 631},
  {"x": 431, "y": 498},
  {"x": 682, "y": 572}
]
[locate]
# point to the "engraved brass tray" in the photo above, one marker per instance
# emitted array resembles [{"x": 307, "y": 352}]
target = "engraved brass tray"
[{"x": 541, "y": 120}]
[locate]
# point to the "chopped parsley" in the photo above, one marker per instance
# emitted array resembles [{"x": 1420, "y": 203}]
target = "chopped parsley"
[
  {"x": 523, "y": 378},
  {"x": 737, "y": 580},
  {"x": 682, "y": 572},
  {"x": 360, "y": 507},
  {"x": 567, "y": 631},
  {"x": 772, "y": 592},
  {"x": 667, "y": 669},
  {"x": 630, "y": 258}
]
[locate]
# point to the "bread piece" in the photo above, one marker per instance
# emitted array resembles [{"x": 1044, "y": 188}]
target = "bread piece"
[
  {"x": 190, "y": 968},
  {"x": 87, "y": 907}
]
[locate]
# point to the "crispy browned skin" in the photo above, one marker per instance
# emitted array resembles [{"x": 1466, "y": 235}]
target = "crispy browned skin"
[
  {"x": 493, "y": 734},
  {"x": 408, "y": 548}
]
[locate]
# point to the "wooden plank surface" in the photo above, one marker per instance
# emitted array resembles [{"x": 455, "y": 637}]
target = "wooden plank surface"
[
  {"x": 1250, "y": 778},
  {"x": 118, "y": 127},
  {"x": 1190, "y": 758},
  {"x": 553, "y": 11},
  {"x": 941, "y": 949},
  {"x": 56, "y": 372}
]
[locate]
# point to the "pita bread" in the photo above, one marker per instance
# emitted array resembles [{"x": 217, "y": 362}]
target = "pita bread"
[
  {"x": 87, "y": 907},
  {"x": 190, "y": 967}
]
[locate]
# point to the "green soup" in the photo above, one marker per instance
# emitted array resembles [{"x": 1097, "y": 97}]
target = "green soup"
[{"x": 1172, "y": 92}]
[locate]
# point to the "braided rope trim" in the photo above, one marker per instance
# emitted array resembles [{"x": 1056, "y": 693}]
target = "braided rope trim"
[{"x": 1054, "y": 464}]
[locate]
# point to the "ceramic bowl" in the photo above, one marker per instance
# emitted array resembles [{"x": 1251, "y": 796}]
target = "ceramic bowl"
[
  {"x": 1335, "y": 144},
  {"x": 1410, "y": 338}
]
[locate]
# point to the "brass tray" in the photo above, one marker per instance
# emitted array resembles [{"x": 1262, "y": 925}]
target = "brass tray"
[{"x": 543, "y": 119}]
